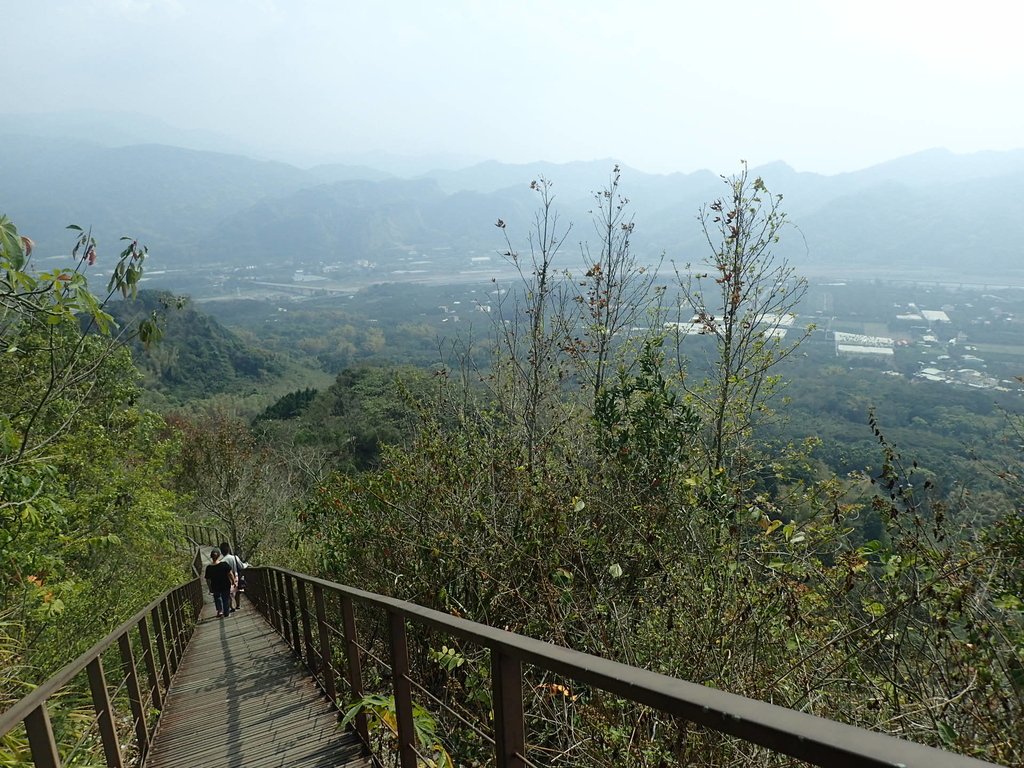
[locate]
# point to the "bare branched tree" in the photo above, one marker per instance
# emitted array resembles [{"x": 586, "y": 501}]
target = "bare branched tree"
[
  {"x": 532, "y": 325},
  {"x": 615, "y": 290},
  {"x": 746, "y": 303},
  {"x": 235, "y": 480}
]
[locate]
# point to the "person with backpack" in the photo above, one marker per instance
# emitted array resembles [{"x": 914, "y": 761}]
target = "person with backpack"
[
  {"x": 220, "y": 578},
  {"x": 236, "y": 566}
]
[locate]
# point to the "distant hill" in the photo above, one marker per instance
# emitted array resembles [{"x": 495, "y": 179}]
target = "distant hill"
[
  {"x": 926, "y": 213},
  {"x": 353, "y": 220},
  {"x": 335, "y": 172},
  {"x": 116, "y": 129},
  {"x": 167, "y": 196}
]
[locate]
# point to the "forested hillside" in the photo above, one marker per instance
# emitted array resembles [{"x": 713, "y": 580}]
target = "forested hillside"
[
  {"x": 197, "y": 357},
  {"x": 609, "y": 463}
]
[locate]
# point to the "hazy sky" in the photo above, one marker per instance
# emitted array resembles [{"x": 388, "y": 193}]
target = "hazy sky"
[{"x": 826, "y": 85}]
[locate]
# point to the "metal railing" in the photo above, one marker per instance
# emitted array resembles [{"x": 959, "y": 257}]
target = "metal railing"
[
  {"x": 297, "y": 606},
  {"x": 200, "y": 534},
  {"x": 156, "y": 638}
]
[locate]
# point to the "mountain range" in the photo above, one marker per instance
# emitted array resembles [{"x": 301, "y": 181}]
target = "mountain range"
[{"x": 934, "y": 214}]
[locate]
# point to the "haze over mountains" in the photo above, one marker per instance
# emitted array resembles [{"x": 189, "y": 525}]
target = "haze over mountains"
[{"x": 934, "y": 214}]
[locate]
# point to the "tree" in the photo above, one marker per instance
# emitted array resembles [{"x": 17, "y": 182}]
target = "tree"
[
  {"x": 532, "y": 328},
  {"x": 84, "y": 515},
  {"x": 746, "y": 303},
  {"x": 233, "y": 479},
  {"x": 57, "y": 342},
  {"x": 615, "y": 290}
]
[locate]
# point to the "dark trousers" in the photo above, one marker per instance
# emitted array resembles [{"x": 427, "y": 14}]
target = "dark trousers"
[{"x": 223, "y": 601}]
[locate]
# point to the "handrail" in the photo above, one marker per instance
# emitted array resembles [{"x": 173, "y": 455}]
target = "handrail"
[
  {"x": 162, "y": 651},
  {"x": 295, "y": 606},
  {"x": 201, "y": 534},
  {"x": 806, "y": 737}
]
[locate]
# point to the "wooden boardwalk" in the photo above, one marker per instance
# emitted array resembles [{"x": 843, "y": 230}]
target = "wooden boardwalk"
[{"x": 242, "y": 700}]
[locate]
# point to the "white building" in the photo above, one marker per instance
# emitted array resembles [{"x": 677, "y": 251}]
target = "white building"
[
  {"x": 859, "y": 344},
  {"x": 857, "y": 350}
]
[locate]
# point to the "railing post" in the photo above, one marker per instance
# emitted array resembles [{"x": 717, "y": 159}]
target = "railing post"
[
  {"x": 40, "y": 738},
  {"x": 161, "y": 647},
  {"x": 197, "y": 597},
  {"x": 270, "y": 594},
  {"x": 282, "y": 606},
  {"x": 326, "y": 662},
  {"x": 284, "y": 626},
  {"x": 254, "y": 591},
  {"x": 293, "y": 615},
  {"x": 509, "y": 724},
  {"x": 307, "y": 629},
  {"x": 176, "y": 627},
  {"x": 286, "y": 622},
  {"x": 147, "y": 657},
  {"x": 403, "y": 690},
  {"x": 259, "y": 593},
  {"x": 168, "y": 636},
  {"x": 104, "y": 713},
  {"x": 355, "y": 674},
  {"x": 134, "y": 693}
]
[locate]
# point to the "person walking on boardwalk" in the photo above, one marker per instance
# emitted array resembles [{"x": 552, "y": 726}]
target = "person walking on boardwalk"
[
  {"x": 220, "y": 579},
  {"x": 236, "y": 565}
]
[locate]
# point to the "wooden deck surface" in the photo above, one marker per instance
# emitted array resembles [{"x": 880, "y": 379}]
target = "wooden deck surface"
[{"x": 241, "y": 700}]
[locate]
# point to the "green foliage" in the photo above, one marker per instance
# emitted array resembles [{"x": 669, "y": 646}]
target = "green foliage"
[
  {"x": 385, "y": 728},
  {"x": 289, "y": 406},
  {"x": 789, "y": 609},
  {"x": 347, "y": 425},
  {"x": 646, "y": 426},
  {"x": 84, "y": 516},
  {"x": 653, "y": 529},
  {"x": 448, "y": 658},
  {"x": 952, "y": 434}
]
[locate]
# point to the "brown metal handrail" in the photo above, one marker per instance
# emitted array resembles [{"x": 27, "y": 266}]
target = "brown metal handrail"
[
  {"x": 201, "y": 534},
  {"x": 162, "y": 647},
  {"x": 291, "y": 602}
]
